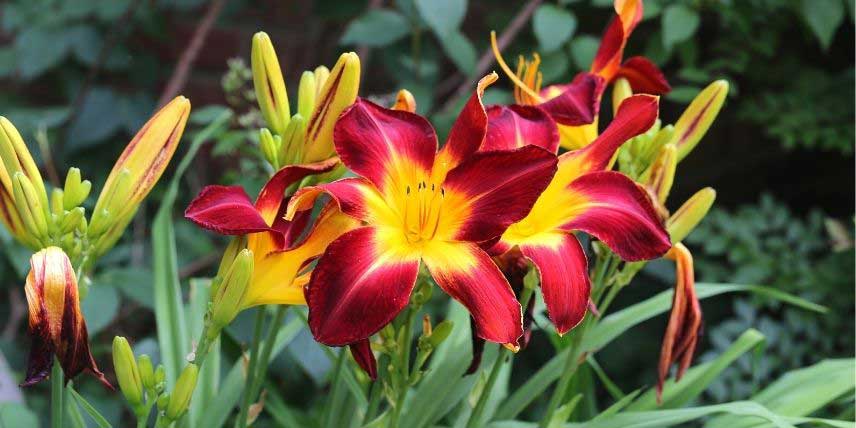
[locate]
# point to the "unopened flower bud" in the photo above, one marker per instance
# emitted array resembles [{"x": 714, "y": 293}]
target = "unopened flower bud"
[
  {"x": 163, "y": 402},
  {"x": 270, "y": 147},
  {"x": 697, "y": 118},
  {"x": 269, "y": 84},
  {"x": 293, "y": 142},
  {"x": 338, "y": 93},
  {"x": 621, "y": 90},
  {"x": 660, "y": 176},
  {"x": 440, "y": 333},
  {"x": 56, "y": 202},
  {"x": 404, "y": 101},
  {"x": 29, "y": 205},
  {"x": 127, "y": 371},
  {"x": 160, "y": 378},
  {"x": 688, "y": 216},
  {"x": 306, "y": 93},
  {"x": 179, "y": 400},
  {"x": 72, "y": 220},
  {"x": 147, "y": 372},
  {"x": 228, "y": 298},
  {"x": 321, "y": 74},
  {"x": 75, "y": 190}
]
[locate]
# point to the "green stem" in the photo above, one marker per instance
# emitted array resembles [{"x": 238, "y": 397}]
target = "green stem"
[
  {"x": 603, "y": 270},
  {"x": 241, "y": 422},
  {"x": 401, "y": 376},
  {"x": 267, "y": 349},
  {"x": 476, "y": 416},
  {"x": 334, "y": 391},
  {"x": 375, "y": 394},
  {"x": 57, "y": 393}
]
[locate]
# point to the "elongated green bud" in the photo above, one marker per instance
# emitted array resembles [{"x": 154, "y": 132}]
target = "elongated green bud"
[
  {"x": 697, "y": 118},
  {"x": 75, "y": 190},
  {"x": 690, "y": 214},
  {"x": 160, "y": 378},
  {"x": 270, "y": 147},
  {"x": 109, "y": 208},
  {"x": 127, "y": 371},
  {"x": 56, "y": 202},
  {"x": 661, "y": 175},
  {"x": 321, "y": 74},
  {"x": 306, "y": 93},
  {"x": 231, "y": 291},
  {"x": 440, "y": 333},
  {"x": 163, "y": 402},
  {"x": 179, "y": 400},
  {"x": 147, "y": 372},
  {"x": 30, "y": 206},
  {"x": 338, "y": 93},
  {"x": 72, "y": 220},
  {"x": 293, "y": 142},
  {"x": 269, "y": 84}
]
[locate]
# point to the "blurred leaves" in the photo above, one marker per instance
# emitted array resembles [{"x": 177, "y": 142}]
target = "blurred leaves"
[
  {"x": 679, "y": 24},
  {"x": 553, "y": 26},
  {"x": 377, "y": 27},
  {"x": 442, "y": 16},
  {"x": 823, "y": 17}
]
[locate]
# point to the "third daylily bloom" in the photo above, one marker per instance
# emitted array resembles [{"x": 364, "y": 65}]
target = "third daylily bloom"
[
  {"x": 575, "y": 106},
  {"x": 419, "y": 205},
  {"x": 583, "y": 196}
]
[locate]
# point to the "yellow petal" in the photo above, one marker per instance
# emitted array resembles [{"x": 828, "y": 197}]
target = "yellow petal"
[
  {"x": 697, "y": 118},
  {"x": 688, "y": 216},
  {"x": 338, "y": 93}
]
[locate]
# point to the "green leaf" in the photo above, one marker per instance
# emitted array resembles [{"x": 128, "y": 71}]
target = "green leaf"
[
  {"x": 96, "y": 121},
  {"x": 173, "y": 338},
  {"x": 460, "y": 50},
  {"x": 376, "y": 27},
  {"x": 679, "y": 23},
  {"x": 553, "y": 26},
  {"x": 683, "y": 94},
  {"x": 38, "y": 50},
  {"x": 99, "y": 420},
  {"x": 583, "y": 50},
  {"x": 616, "y": 324},
  {"x": 800, "y": 392},
  {"x": 209, "y": 375},
  {"x": 443, "y": 16},
  {"x": 823, "y": 17},
  {"x": 14, "y": 415},
  {"x": 698, "y": 378},
  {"x": 100, "y": 307}
]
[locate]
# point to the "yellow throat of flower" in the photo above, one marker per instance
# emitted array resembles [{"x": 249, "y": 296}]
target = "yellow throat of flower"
[{"x": 421, "y": 214}]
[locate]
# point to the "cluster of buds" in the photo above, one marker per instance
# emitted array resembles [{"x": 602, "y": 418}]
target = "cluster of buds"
[
  {"x": 651, "y": 159},
  {"x": 144, "y": 386},
  {"x": 38, "y": 221},
  {"x": 323, "y": 94}
]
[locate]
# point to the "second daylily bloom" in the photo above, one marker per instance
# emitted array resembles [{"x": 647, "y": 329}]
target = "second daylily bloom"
[
  {"x": 583, "y": 196},
  {"x": 56, "y": 324},
  {"x": 419, "y": 205},
  {"x": 279, "y": 256}
]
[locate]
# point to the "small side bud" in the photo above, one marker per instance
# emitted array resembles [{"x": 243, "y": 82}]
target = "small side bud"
[
  {"x": 182, "y": 393},
  {"x": 440, "y": 333},
  {"x": 127, "y": 371},
  {"x": 292, "y": 148},
  {"x": 405, "y": 101},
  {"x": 270, "y": 147},
  {"x": 306, "y": 93},
  {"x": 75, "y": 190},
  {"x": 147, "y": 372},
  {"x": 229, "y": 297}
]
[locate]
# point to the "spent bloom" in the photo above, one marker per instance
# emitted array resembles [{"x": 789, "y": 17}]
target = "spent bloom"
[{"x": 56, "y": 325}]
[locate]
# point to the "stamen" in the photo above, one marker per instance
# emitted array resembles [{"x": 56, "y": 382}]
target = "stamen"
[{"x": 508, "y": 71}]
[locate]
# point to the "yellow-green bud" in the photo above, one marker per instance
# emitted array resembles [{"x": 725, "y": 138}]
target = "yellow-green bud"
[
  {"x": 126, "y": 371},
  {"x": 293, "y": 142},
  {"x": 440, "y": 333},
  {"x": 697, "y": 118},
  {"x": 269, "y": 84},
  {"x": 108, "y": 209},
  {"x": 321, "y": 74},
  {"x": 688, "y": 216},
  {"x": 56, "y": 202},
  {"x": 75, "y": 190},
  {"x": 72, "y": 220},
  {"x": 306, "y": 94},
  {"x": 29, "y": 206},
  {"x": 160, "y": 378},
  {"x": 270, "y": 146},
  {"x": 182, "y": 393},
  {"x": 17, "y": 158},
  {"x": 163, "y": 402},
  {"x": 338, "y": 93},
  {"x": 147, "y": 371},
  {"x": 621, "y": 90},
  {"x": 661, "y": 175},
  {"x": 231, "y": 291}
]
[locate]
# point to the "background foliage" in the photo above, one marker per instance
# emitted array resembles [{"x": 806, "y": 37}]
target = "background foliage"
[{"x": 78, "y": 77}]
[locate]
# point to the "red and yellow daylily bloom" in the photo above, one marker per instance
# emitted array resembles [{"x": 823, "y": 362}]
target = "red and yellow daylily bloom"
[
  {"x": 279, "y": 258},
  {"x": 583, "y": 196},
  {"x": 419, "y": 205},
  {"x": 56, "y": 324},
  {"x": 575, "y": 106}
]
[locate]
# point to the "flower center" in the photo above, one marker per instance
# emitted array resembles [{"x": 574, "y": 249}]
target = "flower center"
[{"x": 422, "y": 211}]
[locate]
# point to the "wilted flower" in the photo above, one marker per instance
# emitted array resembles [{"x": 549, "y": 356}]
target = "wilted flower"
[{"x": 56, "y": 324}]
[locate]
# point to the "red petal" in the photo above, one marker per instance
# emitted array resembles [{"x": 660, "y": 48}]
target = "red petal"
[
  {"x": 226, "y": 210},
  {"x": 358, "y": 287},
  {"x": 492, "y": 190},
  {"x": 362, "y": 352},
  {"x": 468, "y": 274},
  {"x": 388, "y": 147},
  {"x": 356, "y": 197},
  {"x": 618, "y": 212},
  {"x": 578, "y": 103},
  {"x": 608, "y": 57},
  {"x": 515, "y": 126},
  {"x": 563, "y": 268},
  {"x": 469, "y": 129},
  {"x": 634, "y": 116},
  {"x": 644, "y": 76},
  {"x": 272, "y": 194}
]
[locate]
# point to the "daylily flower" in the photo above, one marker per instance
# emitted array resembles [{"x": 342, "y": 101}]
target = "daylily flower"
[
  {"x": 419, "y": 205},
  {"x": 56, "y": 324},
  {"x": 575, "y": 106},
  {"x": 279, "y": 257},
  {"x": 583, "y": 196}
]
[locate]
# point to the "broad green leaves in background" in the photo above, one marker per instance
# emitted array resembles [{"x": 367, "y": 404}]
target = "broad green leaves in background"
[
  {"x": 679, "y": 24},
  {"x": 443, "y": 16},
  {"x": 823, "y": 17},
  {"x": 553, "y": 26},
  {"x": 377, "y": 27}
]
